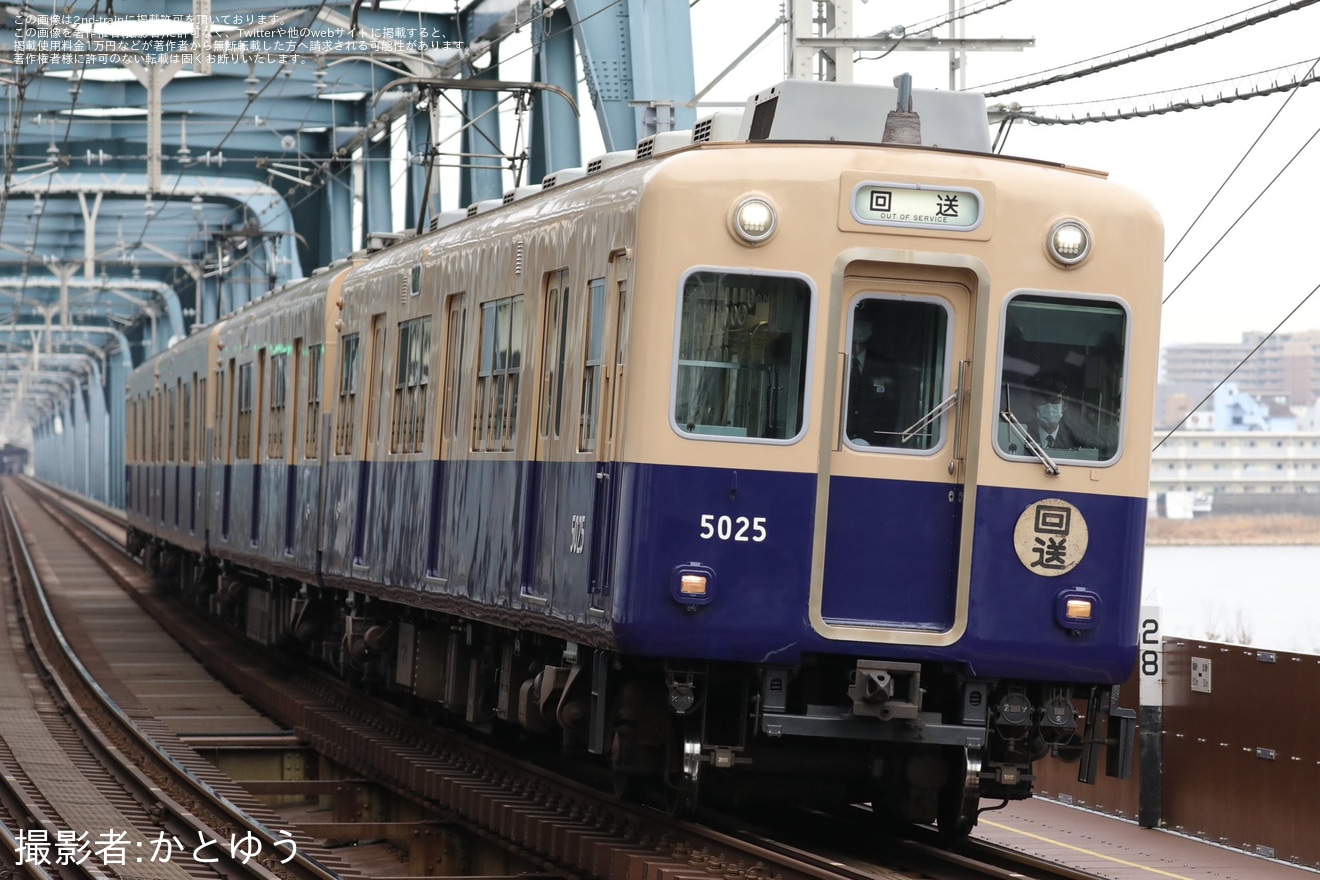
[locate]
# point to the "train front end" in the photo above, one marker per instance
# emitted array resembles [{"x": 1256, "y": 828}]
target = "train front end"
[{"x": 884, "y": 511}]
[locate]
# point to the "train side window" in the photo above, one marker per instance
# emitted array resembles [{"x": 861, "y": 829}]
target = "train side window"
[
  {"x": 592, "y": 365},
  {"x": 499, "y": 367},
  {"x": 279, "y": 367},
  {"x": 743, "y": 350},
  {"x": 199, "y": 433},
  {"x": 185, "y": 422},
  {"x": 456, "y": 330},
  {"x": 232, "y": 373},
  {"x": 897, "y": 373},
  {"x": 218, "y": 430},
  {"x": 312, "y": 445},
  {"x": 348, "y": 385},
  {"x": 171, "y": 422},
  {"x": 411, "y": 380},
  {"x": 620, "y": 356},
  {"x": 243, "y": 450},
  {"x": 553, "y": 354},
  {"x": 1062, "y": 373}
]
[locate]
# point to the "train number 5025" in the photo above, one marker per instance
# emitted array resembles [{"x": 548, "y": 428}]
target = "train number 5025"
[{"x": 732, "y": 528}]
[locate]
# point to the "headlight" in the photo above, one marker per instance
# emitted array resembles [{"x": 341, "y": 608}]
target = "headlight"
[
  {"x": 754, "y": 220},
  {"x": 1069, "y": 242}
]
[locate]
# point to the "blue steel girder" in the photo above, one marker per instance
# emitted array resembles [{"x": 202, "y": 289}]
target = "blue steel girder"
[
  {"x": 482, "y": 174},
  {"x": 379, "y": 193},
  {"x": 638, "y": 57},
  {"x": 556, "y": 135},
  {"x": 336, "y": 232}
]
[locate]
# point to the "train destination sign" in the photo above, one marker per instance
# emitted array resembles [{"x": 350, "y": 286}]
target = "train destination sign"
[{"x": 917, "y": 205}]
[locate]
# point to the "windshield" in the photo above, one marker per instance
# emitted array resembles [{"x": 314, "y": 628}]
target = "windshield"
[{"x": 1062, "y": 376}]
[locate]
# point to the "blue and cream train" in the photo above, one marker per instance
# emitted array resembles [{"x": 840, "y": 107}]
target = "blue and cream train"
[{"x": 729, "y": 461}]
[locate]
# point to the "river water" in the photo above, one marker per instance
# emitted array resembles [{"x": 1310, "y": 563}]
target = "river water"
[{"x": 1266, "y": 597}]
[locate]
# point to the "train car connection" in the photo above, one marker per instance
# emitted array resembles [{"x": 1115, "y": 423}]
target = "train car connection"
[{"x": 802, "y": 456}]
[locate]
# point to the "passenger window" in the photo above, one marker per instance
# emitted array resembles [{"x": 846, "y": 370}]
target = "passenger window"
[
  {"x": 1061, "y": 378},
  {"x": 743, "y": 345},
  {"x": 348, "y": 387},
  {"x": 897, "y": 373}
]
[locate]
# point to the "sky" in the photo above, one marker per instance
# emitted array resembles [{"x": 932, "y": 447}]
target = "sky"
[{"x": 1261, "y": 271}]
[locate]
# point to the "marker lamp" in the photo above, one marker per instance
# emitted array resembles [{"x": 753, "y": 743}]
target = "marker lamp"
[
  {"x": 1069, "y": 242},
  {"x": 754, "y": 220},
  {"x": 1078, "y": 609},
  {"x": 692, "y": 585}
]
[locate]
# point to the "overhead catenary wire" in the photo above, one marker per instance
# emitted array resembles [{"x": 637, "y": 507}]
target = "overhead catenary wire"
[
  {"x": 1141, "y": 51},
  {"x": 1242, "y": 214},
  {"x": 1277, "y": 113}
]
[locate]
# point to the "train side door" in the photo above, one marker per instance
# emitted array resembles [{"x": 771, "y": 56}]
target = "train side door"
[
  {"x": 290, "y": 447},
  {"x": 895, "y": 501},
  {"x": 602, "y": 386},
  {"x": 258, "y": 449},
  {"x": 447, "y": 505},
  {"x": 550, "y": 547},
  {"x": 370, "y": 437},
  {"x": 227, "y": 425}
]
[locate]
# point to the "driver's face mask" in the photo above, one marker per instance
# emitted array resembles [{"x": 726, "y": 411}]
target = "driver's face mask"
[{"x": 1050, "y": 414}]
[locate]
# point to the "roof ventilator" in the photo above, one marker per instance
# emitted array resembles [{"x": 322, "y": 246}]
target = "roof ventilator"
[
  {"x": 720, "y": 126},
  {"x": 663, "y": 142},
  {"x": 520, "y": 192},
  {"x": 563, "y": 175},
  {"x": 448, "y": 218},
  {"x": 610, "y": 160}
]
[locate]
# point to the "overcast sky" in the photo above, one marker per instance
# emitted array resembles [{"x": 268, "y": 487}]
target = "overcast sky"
[{"x": 1264, "y": 267}]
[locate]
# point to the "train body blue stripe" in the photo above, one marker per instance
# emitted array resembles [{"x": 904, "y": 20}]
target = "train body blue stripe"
[{"x": 462, "y": 528}]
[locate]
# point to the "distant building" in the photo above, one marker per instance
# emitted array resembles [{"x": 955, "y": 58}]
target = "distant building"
[
  {"x": 1287, "y": 366},
  {"x": 1234, "y": 454},
  {"x": 1229, "y": 408},
  {"x": 1241, "y": 471}
]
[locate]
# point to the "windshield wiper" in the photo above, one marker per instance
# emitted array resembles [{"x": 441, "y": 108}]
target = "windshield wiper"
[
  {"x": 940, "y": 409},
  {"x": 1031, "y": 443}
]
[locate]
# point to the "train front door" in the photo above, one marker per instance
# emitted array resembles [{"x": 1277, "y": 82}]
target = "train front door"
[{"x": 896, "y": 470}]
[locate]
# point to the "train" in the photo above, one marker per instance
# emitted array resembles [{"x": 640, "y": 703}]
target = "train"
[{"x": 803, "y": 455}]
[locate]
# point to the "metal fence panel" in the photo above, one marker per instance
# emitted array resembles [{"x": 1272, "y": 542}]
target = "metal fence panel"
[{"x": 1239, "y": 751}]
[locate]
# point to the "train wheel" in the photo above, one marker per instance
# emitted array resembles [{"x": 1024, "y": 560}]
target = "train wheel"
[
  {"x": 623, "y": 746},
  {"x": 960, "y": 797},
  {"x": 682, "y": 767}
]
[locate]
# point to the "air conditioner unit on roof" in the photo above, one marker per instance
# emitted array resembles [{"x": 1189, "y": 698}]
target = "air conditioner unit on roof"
[
  {"x": 483, "y": 206},
  {"x": 563, "y": 175},
  {"x": 722, "y": 125},
  {"x": 610, "y": 160},
  {"x": 520, "y": 192},
  {"x": 447, "y": 218},
  {"x": 663, "y": 142}
]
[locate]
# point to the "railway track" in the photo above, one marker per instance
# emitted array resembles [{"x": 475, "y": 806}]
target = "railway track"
[
  {"x": 91, "y": 788},
  {"x": 430, "y": 789}
]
